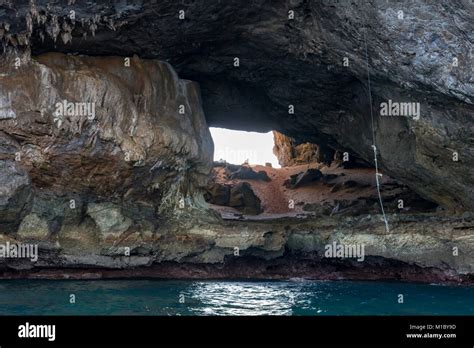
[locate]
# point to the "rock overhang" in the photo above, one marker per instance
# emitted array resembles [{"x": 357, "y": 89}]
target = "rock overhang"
[{"x": 310, "y": 55}]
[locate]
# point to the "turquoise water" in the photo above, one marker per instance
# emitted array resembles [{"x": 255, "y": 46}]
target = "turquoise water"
[{"x": 154, "y": 297}]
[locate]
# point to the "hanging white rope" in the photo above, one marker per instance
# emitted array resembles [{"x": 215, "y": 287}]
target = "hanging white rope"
[{"x": 374, "y": 147}]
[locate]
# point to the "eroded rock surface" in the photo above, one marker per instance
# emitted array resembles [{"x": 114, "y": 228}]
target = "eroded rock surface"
[
  {"x": 315, "y": 62},
  {"x": 139, "y": 133},
  {"x": 98, "y": 149},
  {"x": 126, "y": 176},
  {"x": 289, "y": 153},
  {"x": 271, "y": 250}
]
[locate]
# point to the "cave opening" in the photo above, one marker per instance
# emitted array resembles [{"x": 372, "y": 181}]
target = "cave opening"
[
  {"x": 271, "y": 175},
  {"x": 238, "y": 147}
]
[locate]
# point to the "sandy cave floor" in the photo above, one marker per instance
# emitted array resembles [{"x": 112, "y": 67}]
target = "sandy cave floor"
[{"x": 275, "y": 197}]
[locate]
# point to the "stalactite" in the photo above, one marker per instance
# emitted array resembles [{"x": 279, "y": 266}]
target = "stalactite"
[
  {"x": 29, "y": 24},
  {"x": 52, "y": 28},
  {"x": 110, "y": 24},
  {"x": 93, "y": 28}
]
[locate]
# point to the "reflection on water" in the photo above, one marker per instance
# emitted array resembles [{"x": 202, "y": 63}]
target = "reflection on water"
[
  {"x": 243, "y": 299},
  {"x": 153, "y": 297}
]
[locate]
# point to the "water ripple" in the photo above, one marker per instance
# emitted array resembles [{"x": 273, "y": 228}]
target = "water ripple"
[{"x": 153, "y": 297}]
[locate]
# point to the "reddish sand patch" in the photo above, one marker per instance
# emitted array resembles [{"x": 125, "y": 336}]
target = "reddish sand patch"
[{"x": 275, "y": 197}]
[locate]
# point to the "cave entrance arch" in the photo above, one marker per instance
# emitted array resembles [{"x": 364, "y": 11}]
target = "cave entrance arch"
[{"x": 247, "y": 180}]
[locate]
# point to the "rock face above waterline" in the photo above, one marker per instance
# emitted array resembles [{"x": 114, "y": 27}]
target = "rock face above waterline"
[
  {"x": 419, "y": 248},
  {"x": 140, "y": 133},
  {"x": 137, "y": 150},
  {"x": 129, "y": 172}
]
